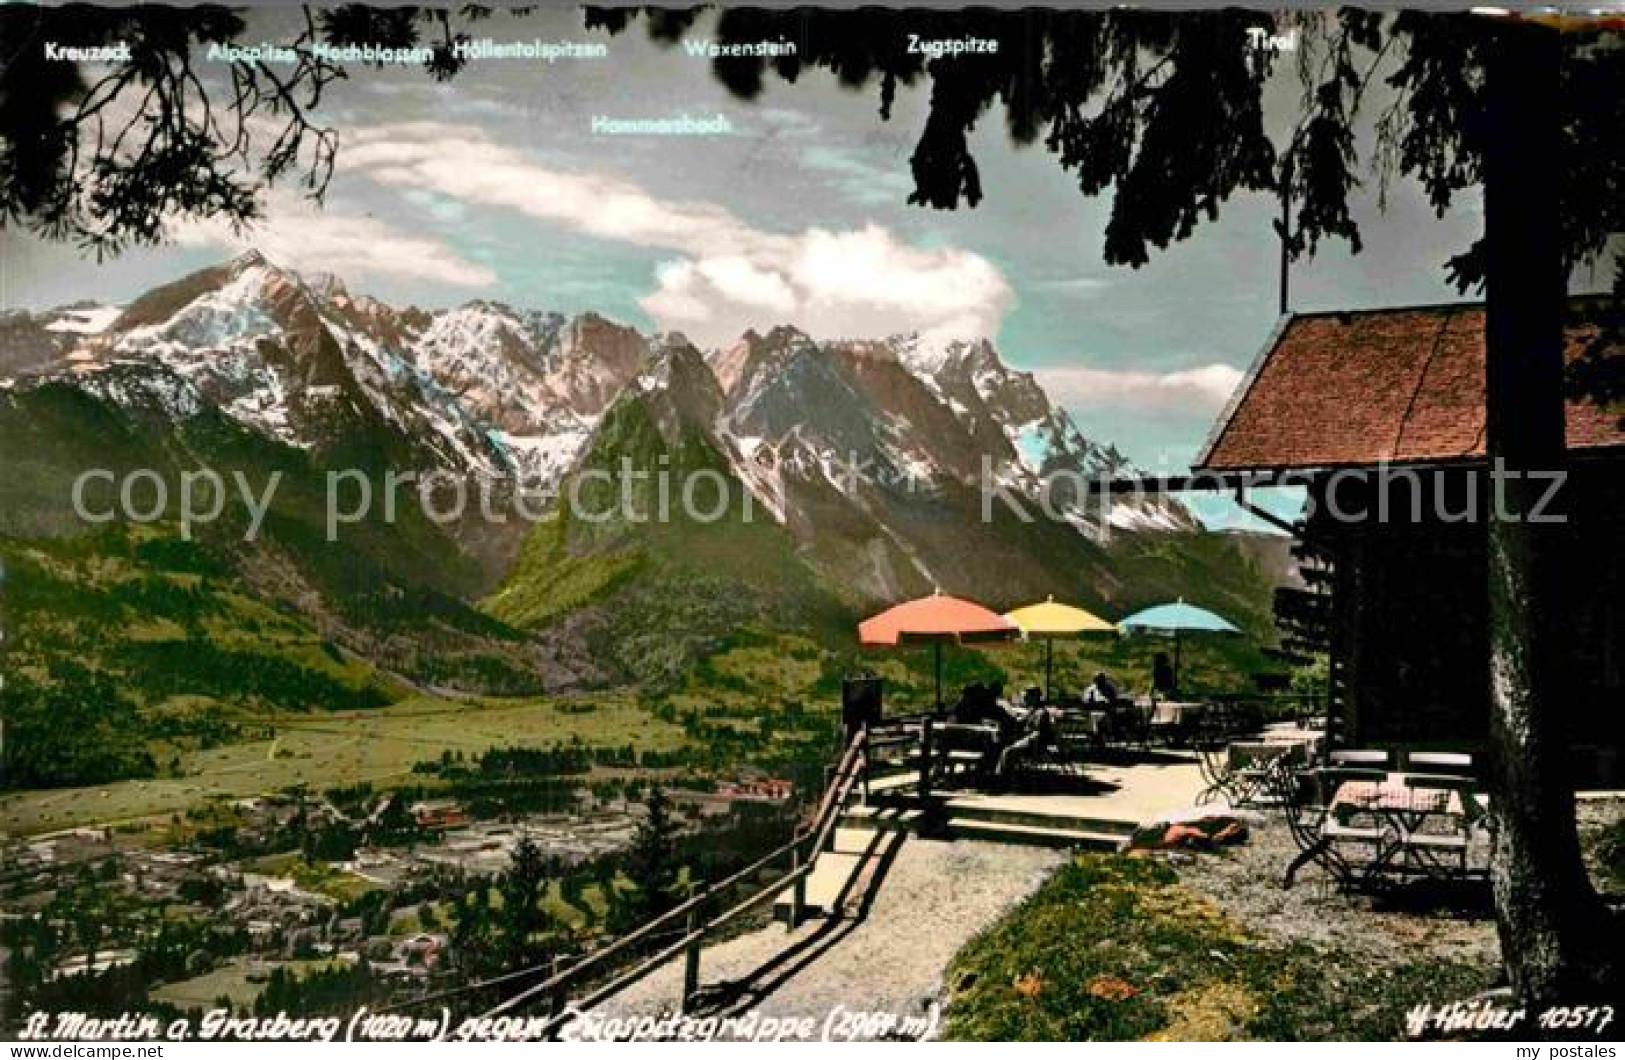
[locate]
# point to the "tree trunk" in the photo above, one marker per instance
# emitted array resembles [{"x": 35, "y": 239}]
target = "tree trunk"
[{"x": 1552, "y": 924}]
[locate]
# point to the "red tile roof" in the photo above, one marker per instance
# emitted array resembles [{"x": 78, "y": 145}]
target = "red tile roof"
[{"x": 1357, "y": 388}]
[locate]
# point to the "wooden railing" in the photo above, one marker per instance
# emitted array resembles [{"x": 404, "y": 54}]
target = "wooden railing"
[
  {"x": 1276, "y": 706},
  {"x": 617, "y": 966}
]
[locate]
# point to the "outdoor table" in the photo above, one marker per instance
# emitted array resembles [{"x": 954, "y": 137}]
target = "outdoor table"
[
  {"x": 1395, "y": 799},
  {"x": 1397, "y": 807},
  {"x": 1177, "y": 721},
  {"x": 1393, "y": 809},
  {"x": 965, "y": 736},
  {"x": 1169, "y": 712},
  {"x": 973, "y": 730},
  {"x": 1247, "y": 769},
  {"x": 954, "y": 740},
  {"x": 1090, "y": 721},
  {"x": 1310, "y": 739}
]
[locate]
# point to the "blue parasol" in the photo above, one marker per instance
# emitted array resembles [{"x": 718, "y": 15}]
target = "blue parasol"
[{"x": 1174, "y": 620}]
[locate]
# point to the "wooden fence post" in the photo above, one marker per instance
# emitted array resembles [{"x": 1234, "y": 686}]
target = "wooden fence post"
[
  {"x": 865, "y": 767},
  {"x": 556, "y": 1001},
  {"x": 798, "y": 890},
  {"x": 691, "y": 955},
  {"x": 925, "y": 758}
]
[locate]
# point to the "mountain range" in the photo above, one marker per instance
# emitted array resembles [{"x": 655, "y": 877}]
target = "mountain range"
[{"x": 862, "y": 461}]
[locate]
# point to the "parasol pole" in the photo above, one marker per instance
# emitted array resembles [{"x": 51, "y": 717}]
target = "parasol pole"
[
  {"x": 1049, "y": 668},
  {"x": 937, "y": 648}
]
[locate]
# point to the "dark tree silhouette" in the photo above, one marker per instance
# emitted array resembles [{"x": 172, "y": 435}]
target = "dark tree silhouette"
[
  {"x": 523, "y": 888},
  {"x": 651, "y": 866},
  {"x": 1166, "y": 110},
  {"x": 1555, "y": 933},
  {"x": 110, "y": 159}
]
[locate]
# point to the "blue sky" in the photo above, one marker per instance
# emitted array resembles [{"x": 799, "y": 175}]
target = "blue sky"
[{"x": 495, "y": 186}]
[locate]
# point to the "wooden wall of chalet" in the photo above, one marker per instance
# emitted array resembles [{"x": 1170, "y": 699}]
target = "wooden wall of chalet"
[{"x": 1408, "y": 609}]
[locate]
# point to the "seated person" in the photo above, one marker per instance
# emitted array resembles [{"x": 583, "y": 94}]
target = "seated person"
[
  {"x": 1162, "y": 678},
  {"x": 1032, "y": 697},
  {"x": 1102, "y": 691},
  {"x": 1038, "y": 730},
  {"x": 970, "y": 707},
  {"x": 984, "y": 705}
]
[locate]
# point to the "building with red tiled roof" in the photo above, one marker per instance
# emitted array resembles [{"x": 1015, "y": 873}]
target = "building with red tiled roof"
[
  {"x": 1399, "y": 386},
  {"x": 1380, "y": 414}
]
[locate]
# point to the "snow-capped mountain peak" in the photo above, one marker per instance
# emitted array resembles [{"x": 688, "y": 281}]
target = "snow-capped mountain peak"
[{"x": 490, "y": 390}]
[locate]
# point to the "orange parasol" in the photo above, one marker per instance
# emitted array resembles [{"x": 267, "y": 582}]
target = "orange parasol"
[{"x": 936, "y": 619}]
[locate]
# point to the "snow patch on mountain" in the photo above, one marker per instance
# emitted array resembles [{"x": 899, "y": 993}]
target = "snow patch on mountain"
[
  {"x": 923, "y": 356},
  {"x": 84, "y": 319},
  {"x": 142, "y": 387},
  {"x": 232, "y": 316}
]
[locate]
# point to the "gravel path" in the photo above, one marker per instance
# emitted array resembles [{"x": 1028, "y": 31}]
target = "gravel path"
[
  {"x": 934, "y": 898},
  {"x": 1244, "y": 881}
]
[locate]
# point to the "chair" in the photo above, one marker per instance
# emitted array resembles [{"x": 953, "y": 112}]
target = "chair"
[
  {"x": 1245, "y": 717},
  {"x": 1062, "y": 751},
  {"x": 1076, "y": 734},
  {"x": 1327, "y": 837},
  {"x": 1211, "y": 727},
  {"x": 1244, "y": 771},
  {"x": 1380, "y": 760},
  {"x": 1128, "y": 725},
  {"x": 1080, "y": 731},
  {"x": 1441, "y": 763},
  {"x": 1445, "y": 853}
]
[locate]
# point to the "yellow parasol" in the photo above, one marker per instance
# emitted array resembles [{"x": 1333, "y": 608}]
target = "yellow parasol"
[{"x": 1049, "y": 621}]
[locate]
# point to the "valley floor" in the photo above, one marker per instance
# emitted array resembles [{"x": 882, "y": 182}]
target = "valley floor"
[{"x": 328, "y": 749}]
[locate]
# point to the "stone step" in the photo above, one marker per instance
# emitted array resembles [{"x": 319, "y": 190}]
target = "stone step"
[
  {"x": 830, "y": 875},
  {"x": 854, "y": 840},
  {"x": 899, "y": 802},
  {"x": 1034, "y": 835},
  {"x": 842, "y": 872},
  {"x": 909, "y": 765},
  {"x": 880, "y": 817},
  {"x": 827, "y": 885},
  {"x": 975, "y": 809},
  {"x": 900, "y": 781}
]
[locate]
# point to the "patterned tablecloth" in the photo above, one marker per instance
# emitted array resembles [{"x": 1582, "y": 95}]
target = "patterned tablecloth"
[{"x": 1394, "y": 795}]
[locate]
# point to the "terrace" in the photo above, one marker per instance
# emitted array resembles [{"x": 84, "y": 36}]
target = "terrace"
[
  {"x": 1086, "y": 789},
  {"x": 920, "y": 859}
]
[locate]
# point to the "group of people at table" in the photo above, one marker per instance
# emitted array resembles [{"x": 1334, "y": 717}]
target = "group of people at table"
[{"x": 1019, "y": 731}]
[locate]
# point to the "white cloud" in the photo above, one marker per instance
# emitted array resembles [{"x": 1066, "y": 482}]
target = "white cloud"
[
  {"x": 1077, "y": 286},
  {"x": 728, "y": 275},
  {"x": 304, "y": 237},
  {"x": 1204, "y": 389}
]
